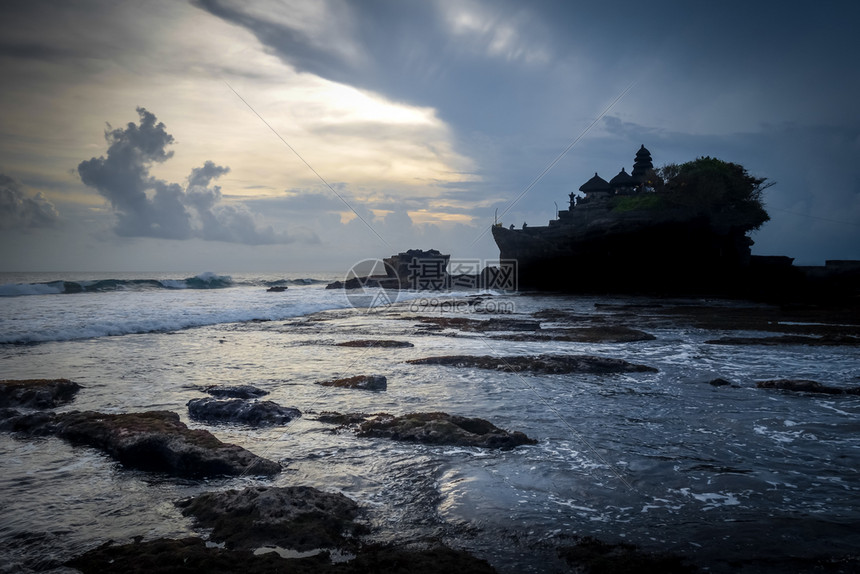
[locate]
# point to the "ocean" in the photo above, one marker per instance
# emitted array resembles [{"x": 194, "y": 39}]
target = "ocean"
[{"x": 730, "y": 476}]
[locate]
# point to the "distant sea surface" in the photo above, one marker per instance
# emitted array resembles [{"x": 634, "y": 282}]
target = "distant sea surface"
[{"x": 723, "y": 475}]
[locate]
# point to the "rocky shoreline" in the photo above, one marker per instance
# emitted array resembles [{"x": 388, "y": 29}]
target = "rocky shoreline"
[{"x": 265, "y": 528}]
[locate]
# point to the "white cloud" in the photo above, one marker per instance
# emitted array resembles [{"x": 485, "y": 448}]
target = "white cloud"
[{"x": 497, "y": 36}]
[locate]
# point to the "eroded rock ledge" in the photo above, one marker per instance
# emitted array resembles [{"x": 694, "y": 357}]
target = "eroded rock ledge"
[
  {"x": 165, "y": 556},
  {"x": 541, "y": 364},
  {"x": 253, "y": 413},
  {"x": 823, "y": 341},
  {"x": 364, "y": 382},
  {"x": 598, "y": 334},
  {"x": 805, "y": 386},
  {"x": 153, "y": 441},
  {"x": 376, "y": 343},
  {"x": 234, "y": 391},
  {"x": 296, "y": 517},
  {"x": 479, "y": 325},
  {"x": 37, "y": 393},
  {"x": 430, "y": 428}
]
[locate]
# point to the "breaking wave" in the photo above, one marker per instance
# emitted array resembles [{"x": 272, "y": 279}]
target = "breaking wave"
[{"x": 202, "y": 281}]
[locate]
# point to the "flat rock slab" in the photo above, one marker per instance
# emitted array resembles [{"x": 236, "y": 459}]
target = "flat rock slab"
[
  {"x": 235, "y": 392},
  {"x": 608, "y": 334},
  {"x": 592, "y": 555},
  {"x": 823, "y": 341},
  {"x": 435, "y": 428},
  {"x": 720, "y": 382},
  {"x": 342, "y": 419},
  {"x": 296, "y": 517},
  {"x": 805, "y": 386},
  {"x": 376, "y": 343},
  {"x": 542, "y": 364},
  {"x": 153, "y": 441},
  {"x": 253, "y": 413},
  {"x": 37, "y": 393},
  {"x": 364, "y": 382},
  {"x": 166, "y": 556},
  {"x": 479, "y": 325}
]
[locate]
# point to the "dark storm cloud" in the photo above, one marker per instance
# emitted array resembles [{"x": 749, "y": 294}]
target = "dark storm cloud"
[
  {"x": 18, "y": 210},
  {"x": 684, "y": 57},
  {"x": 149, "y": 207},
  {"x": 404, "y": 50}
]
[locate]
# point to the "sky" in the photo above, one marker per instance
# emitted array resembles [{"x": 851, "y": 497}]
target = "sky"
[{"x": 298, "y": 135}]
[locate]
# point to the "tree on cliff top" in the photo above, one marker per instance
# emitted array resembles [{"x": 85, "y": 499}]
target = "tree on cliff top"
[{"x": 717, "y": 187}]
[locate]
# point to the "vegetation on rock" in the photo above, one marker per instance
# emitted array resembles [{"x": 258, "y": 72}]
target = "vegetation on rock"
[{"x": 708, "y": 186}]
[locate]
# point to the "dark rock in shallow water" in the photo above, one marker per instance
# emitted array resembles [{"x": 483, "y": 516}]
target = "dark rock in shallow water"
[
  {"x": 593, "y": 556},
  {"x": 235, "y": 392},
  {"x": 255, "y": 413},
  {"x": 824, "y": 341},
  {"x": 442, "y": 429},
  {"x": 364, "y": 382},
  {"x": 805, "y": 386},
  {"x": 34, "y": 424},
  {"x": 718, "y": 382},
  {"x": 164, "y": 556},
  {"x": 546, "y": 364},
  {"x": 480, "y": 325},
  {"x": 37, "y": 393},
  {"x": 296, "y": 517},
  {"x": 343, "y": 420},
  {"x": 607, "y": 334},
  {"x": 153, "y": 441},
  {"x": 378, "y": 343}
]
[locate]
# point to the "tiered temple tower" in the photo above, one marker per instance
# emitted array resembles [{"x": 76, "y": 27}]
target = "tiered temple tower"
[{"x": 641, "y": 164}]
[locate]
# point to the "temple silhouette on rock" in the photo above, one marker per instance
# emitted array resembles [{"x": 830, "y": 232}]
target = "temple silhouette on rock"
[{"x": 629, "y": 235}]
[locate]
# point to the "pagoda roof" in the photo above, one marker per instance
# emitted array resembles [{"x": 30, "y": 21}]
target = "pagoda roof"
[
  {"x": 642, "y": 164},
  {"x": 623, "y": 179},
  {"x": 596, "y": 183}
]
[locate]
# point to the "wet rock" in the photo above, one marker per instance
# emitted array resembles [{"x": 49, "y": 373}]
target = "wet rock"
[
  {"x": 375, "y": 281},
  {"x": 254, "y": 413},
  {"x": 364, "y": 382},
  {"x": 805, "y": 386},
  {"x": 343, "y": 420},
  {"x": 438, "y": 560},
  {"x": 543, "y": 364},
  {"x": 823, "y": 341},
  {"x": 590, "y": 555},
  {"x": 442, "y": 429},
  {"x": 153, "y": 441},
  {"x": 37, "y": 393},
  {"x": 607, "y": 334},
  {"x": 277, "y": 289},
  {"x": 235, "y": 392},
  {"x": 378, "y": 343},
  {"x": 33, "y": 424},
  {"x": 295, "y": 517},
  {"x": 165, "y": 556},
  {"x": 480, "y": 325},
  {"x": 552, "y": 314},
  {"x": 718, "y": 382}
]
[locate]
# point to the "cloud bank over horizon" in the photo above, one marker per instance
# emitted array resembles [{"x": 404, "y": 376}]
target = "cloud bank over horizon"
[{"x": 425, "y": 118}]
